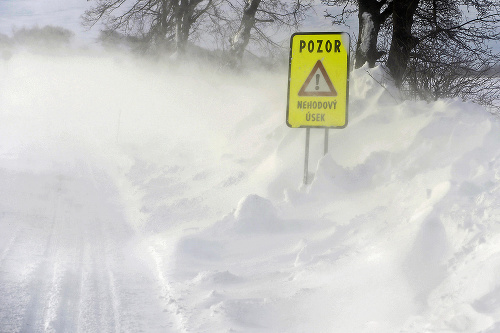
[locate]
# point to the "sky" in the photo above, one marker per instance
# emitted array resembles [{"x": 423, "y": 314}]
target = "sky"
[{"x": 28, "y": 13}]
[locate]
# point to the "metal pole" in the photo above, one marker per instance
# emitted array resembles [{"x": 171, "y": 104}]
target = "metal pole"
[
  {"x": 306, "y": 169},
  {"x": 326, "y": 141}
]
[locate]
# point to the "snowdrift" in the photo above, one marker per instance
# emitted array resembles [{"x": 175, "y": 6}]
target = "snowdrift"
[{"x": 397, "y": 232}]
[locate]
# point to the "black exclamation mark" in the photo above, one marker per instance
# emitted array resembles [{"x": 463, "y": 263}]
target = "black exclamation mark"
[{"x": 317, "y": 81}]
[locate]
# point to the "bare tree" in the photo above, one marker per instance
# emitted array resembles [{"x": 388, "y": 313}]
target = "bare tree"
[
  {"x": 259, "y": 14},
  {"x": 372, "y": 15},
  {"x": 242, "y": 36},
  {"x": 163, "y": 22},
  {"x": 455, "y": 54},
  {"x": 437, "y": 48},
  {"x": 403, "y": 42}
]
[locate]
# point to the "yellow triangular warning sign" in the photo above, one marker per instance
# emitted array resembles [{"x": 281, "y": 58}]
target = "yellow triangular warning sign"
[{"x": 318, "y": 83}]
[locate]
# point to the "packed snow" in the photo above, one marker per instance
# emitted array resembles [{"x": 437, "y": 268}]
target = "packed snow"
[
  {"x": 366, "y": 33},
  {"x": 142, "y": 197}
]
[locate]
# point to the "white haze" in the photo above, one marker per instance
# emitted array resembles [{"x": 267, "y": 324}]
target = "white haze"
[{"x": 138, "y": 196}]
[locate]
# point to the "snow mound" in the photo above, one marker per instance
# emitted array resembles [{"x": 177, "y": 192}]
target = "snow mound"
[
  {"x": 212, "y": 278},
  {"x": 255, "y": 214}
]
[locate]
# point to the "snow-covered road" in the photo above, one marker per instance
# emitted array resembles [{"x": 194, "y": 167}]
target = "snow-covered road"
[{"x": 69, "y": 262}]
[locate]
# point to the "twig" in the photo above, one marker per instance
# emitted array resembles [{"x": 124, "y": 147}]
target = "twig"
[{"x": 383, "y": 87}]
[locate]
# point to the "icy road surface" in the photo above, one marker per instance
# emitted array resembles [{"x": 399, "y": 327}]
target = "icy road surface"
[{"x": 68, "y": 260}]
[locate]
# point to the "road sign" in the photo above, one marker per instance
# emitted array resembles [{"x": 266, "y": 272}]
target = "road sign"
[{"x": 318, "y": 80}]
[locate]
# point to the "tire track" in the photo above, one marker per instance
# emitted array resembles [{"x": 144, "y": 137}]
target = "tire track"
[
  {"x": 10, "y": 243},
  {"x": 74, "y": 264},
  {"x": 99, "y": 307},
  {"x": 178, "y": 322},
  {"x": 41, "y": 284},
  {"x": 61, "y": 313}
]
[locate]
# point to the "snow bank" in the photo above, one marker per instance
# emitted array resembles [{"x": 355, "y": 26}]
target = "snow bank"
[
  {"x": 398, "y": 230},
  {"x": 385, "y": 239}
]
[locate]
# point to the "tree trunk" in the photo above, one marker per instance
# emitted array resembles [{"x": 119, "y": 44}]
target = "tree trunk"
[
  {"x": 182, "y": 26},
  {"x": 240, "y": 40},
  {"x": 161, "y": 34},
  {"x": 402, "y": 40},
  {"x": 370, "y": 19}
]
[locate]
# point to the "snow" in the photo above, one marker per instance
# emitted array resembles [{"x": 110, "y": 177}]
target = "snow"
[
  {"x": 366, "y": 32},
  {"x": 140, "y": 197}
]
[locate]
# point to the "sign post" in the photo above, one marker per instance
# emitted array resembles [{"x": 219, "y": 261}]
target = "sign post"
[
  {"x": 325, "y": 151},
  {"x": 318, "y": 83},
  {"x": 306, "y": 166}
]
